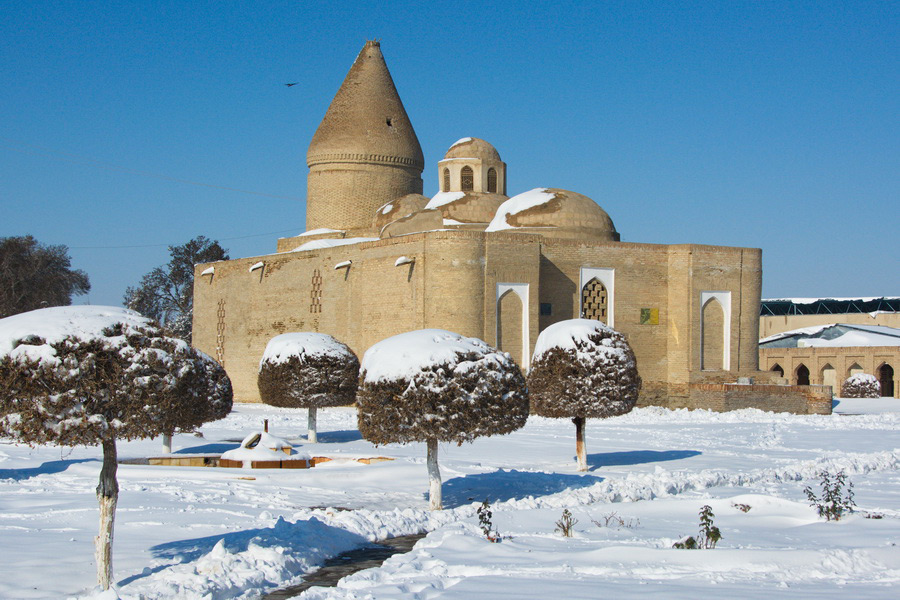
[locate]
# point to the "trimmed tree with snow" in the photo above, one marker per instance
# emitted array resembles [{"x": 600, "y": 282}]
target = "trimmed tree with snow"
[
  {"x": 861, "y": 385},
  {"x": 89, "y": 375},
  {"x": 437, "y": 386},
  {"x": 307, "y": 370},
  {"x": 582, "y": 369}
]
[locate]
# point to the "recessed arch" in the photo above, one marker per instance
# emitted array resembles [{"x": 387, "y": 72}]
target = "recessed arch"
[
  {"x": 507, "y": 309},
  {"x": 607, "y": 277},
  {"x": 492, "y": 180},
  {"x": 713, "y": 334},
  {"x": 595, "y": 301},
  {"x": 723, "y": 298},
  {"x": 854, "y": 369},
  {"x": 829, "y": 377},
  {"x": 446, "y": 180},
  {"x": 776, "y": 368},
  {"x": 885, "y": 375},
  {"x": 802, "y": 374}
]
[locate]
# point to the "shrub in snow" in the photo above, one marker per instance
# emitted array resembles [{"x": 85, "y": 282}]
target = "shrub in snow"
[
  {"x": 861, "y": 385},
  {"x": 307, "y": 370},
  {"x": 433, "y": 385},
  {"x": 92, "y": 375},
  {"x": 566, "y": 523},
  {"x": 708, "y": 537},
  {"x": 835, "y": 500},
  {"x": 582, "y": 369}
]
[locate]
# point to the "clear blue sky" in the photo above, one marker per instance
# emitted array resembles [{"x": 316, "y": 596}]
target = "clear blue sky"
[{"x": 762, "y": 124}]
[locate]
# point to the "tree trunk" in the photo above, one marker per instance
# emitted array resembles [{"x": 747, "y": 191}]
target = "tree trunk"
[
  {"x": 434, "y": 476},
  {"x": 167, "y": 443},
  {"x": 311, "y": 426},
  {"x": 107, "y": 495},
  {"x": 580, "y": 452}
]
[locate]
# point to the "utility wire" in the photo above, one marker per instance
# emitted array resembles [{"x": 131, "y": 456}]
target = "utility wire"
[{"x": 25, "y": 148}]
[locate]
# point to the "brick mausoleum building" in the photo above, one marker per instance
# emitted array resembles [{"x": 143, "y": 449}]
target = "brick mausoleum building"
[{"x": 379, "y": 258}]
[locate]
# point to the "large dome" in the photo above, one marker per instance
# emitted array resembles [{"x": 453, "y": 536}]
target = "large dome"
[
  {"x": 467, "y": 207},
  {"x": 397, "y": 209},
  {"x": 555, "y": 213},
  {"x": 470, "y": 147}
]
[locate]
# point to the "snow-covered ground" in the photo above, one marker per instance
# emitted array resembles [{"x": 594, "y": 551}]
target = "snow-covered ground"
[{"x": 185, "y": 532}]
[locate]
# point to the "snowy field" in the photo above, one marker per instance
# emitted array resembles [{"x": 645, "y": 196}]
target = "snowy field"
[{"x": 209, "y": 533}]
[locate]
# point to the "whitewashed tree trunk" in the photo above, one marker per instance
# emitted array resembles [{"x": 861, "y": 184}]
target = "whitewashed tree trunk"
[
  {"x": 580, "y": 451},
  {"x": 108, "y": 496},
  {"x": 167, "y": 443},
  {"x": 311, "y": 426},
  {"x": 434, "y": 476}
]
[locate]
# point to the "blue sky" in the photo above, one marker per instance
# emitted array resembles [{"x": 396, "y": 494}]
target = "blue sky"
[{"x": 762, "y": 124}]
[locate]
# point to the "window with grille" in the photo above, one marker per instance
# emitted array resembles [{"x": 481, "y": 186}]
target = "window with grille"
[
  {"x": 446, "y": 180},
  {"x": 467, "y": 179},
  {"x": 594, "y": 301},
  {"x": 492, "y": 180}
]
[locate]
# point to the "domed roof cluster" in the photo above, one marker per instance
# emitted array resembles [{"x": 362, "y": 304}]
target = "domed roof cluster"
[{"x": 551, "y": 212}]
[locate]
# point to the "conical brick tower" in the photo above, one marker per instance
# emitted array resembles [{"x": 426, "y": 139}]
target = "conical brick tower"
[{"x": 364, "y": 153}]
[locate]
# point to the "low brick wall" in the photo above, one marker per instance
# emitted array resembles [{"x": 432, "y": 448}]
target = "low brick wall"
[{"x": 798, "y": 399}]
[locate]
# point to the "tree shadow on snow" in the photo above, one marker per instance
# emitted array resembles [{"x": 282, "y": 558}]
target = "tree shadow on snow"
[
  {"x": 504, "y": 485},
  {"x": 208, "y": 449},
  {"x": 636, "y": 457},
  {"x": 292, "y": 537},
  {"x": 48, "y": 468},
  {"x": 338, "y": 437}
]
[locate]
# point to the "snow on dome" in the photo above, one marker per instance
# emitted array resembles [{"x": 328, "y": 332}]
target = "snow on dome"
[
  {"x": 517, "y": 204},
  {"x": 473, "y": 148},
  {"x": 555, "y": 213},
  {"x": 568, "y": 334},
  {"x": 402, "y": 356},
  {"x": 59, "y": 322},
  {"x": 397, "y": 209},
  {"x": 303, "y": 343},
  {"x": 442, "y": 198},
  {"x": 323, "y": 244}
]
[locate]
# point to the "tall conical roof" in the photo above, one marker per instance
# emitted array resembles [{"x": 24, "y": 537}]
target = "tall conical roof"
[{"x": 366, "y": 120}]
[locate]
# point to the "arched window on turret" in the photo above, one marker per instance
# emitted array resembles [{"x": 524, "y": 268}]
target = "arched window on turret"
[
  {"x": 492, "y": 180},
  {"x": 467, "y": 179},
  {"x": 446, "y": 186}
]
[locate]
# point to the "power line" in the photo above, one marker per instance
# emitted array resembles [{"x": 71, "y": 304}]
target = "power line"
[
  {"x": 240, "y": 237},
  {"x": 25, "y": 148}
]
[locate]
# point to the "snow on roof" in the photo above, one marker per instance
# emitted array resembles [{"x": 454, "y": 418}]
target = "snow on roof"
[
  {"x": 59, "y": 322},
  {"x": 835, "y": 335},
  {"x": 402, "y": 356},
  {"x": 461, "y": 141},
  {"x": 320, "y": 231},
  {"x": 565, "y": 334},
  {"x": 442, "y": 198},
  {"x": 517, "y": 204},
  {"x": 826, "y": 299},
  {"x": 323, "y": 244},
  {"x": 282, "y": 347}
]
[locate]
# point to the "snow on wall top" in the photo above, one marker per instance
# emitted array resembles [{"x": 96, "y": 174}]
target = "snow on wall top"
[
  {"x": 835, "y": 335},
  {"x": 404, "y": 355},
  {"x": 323, "y": 244},
  {"x": 517, "y": 204},
  {"x": 282, "y": 347},
  {"x": 59, "y": 322},
  {"x": 565, "y": 334},
  {"x": 320, "y": 231},
  {"x": 442, "y": 198}
]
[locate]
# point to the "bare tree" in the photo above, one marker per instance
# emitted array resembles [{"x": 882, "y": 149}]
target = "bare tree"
[
  {"x": 94, "y": 375},
  {"x": 166, "y": 293},
  {"x": 307, "y": 370},
  {"x": 582, "y": 369},
  {"x": 34, "y": 275},
  {"x": 436, "y": 386}
]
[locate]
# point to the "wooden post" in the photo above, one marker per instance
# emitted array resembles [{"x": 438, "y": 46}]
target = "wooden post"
[
  {"x": 434, "y": 476},
  {"x": 311, "y": 425},
  {"x": 107, "y": 496},
  {"x": 580, "y": 452}
]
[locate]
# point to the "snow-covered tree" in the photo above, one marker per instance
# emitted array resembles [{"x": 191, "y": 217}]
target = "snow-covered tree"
[
  {"x": 861, "y": 385},
  {"x": 93, "y": 375},
  {"x": 308, "y": 370},
  {"x": 167, "y": 293},
  {"x": 582, "y": 369},
  {"x": 436, "y": 386}
]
